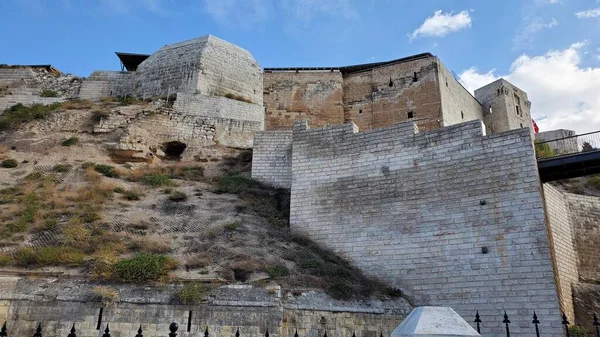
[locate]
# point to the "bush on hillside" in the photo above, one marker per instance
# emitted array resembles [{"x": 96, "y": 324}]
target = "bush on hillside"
[{"x": 19, "y": 114}]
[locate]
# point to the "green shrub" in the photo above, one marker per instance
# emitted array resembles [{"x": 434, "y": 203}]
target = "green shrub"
[
  {"x": 193, "y": 293},
  {"x": 9, "y": 163},
  {"x": 5, "y": 260},
  {"x": 236, "y": 184},
  {"x": 19, "y": 113},
  {"x": 106, "y": 170},
  {"x": 8, "y": 195},
  {"x": 34, "y": 176},
  {"x": 143, "y": 267},
  {"x": 578, "y": 331},
  {"x": 131, "y": 195},
  {"x": 46, "y": 256},
  {"x": 178, "y": 196},
  {"x": 192, "y": 173},
  {"x": 278, "y": 270},
  {"x": 232, "y": 226},
  {"x": 98, "y": 115},
  {"x": 157, "y": 180},
  {"x": 49, "y": 93},
  {"x": 128, "y": 100},
  {"x": 62, "y": 168},
  {"x": 87, "y": 165},
  {"x": 25, "y": 256},
  {"x": 543, "y": 150},
  {"x": 70, "y": 141},
  {"x": 119, "y": 190},
  {"x": 594, "y": 182}
]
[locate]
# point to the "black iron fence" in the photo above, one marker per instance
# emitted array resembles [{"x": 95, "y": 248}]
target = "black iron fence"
[
  {"x": 568, "y": 145},
  {"x": 174, "y": 327}
]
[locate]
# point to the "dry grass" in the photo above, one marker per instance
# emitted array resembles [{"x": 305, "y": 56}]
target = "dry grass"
[
  {"x": 151, "y": 246},
  {"x": 77, "y": 104},
  {"x": 106, "y": 295}
]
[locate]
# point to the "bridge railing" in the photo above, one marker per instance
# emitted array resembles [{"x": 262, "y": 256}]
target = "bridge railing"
[{"x": 568, "y": 145}]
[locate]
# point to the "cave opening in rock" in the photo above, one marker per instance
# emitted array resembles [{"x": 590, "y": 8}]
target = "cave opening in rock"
[{"x": 174, "y": 149}]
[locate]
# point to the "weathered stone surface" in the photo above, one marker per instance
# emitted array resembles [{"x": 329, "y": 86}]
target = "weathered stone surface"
[
  {"x": 434, "y": 321},
  {"x": 406, "y": 206}
]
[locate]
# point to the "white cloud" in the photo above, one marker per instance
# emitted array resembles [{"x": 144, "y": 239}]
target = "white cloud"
[
  {"x": 591, "y": 13},
  {"x": 532, "y": 26},
  {"x": 564, "y": 94},
  {"x": 307, "y": 9},
  {"x": 440, "y": 24}
]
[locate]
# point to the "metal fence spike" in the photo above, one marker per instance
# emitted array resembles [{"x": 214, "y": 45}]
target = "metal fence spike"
[
  {"x": 506, "y": 321},
  {"x": 237, "y": 333},
  {"x": 296, "y": 333},
  {"x": 380, "y": 333},
  {"x": 3, "y": 330},
  {"x": 566, "y": 323},
  {"x": 353, "y": 333},
  {"x": 73, "y": 332},
  {"x": 139, "y": 333},
  {"x": 536, "y": 322},
  {"x": 267, "y": 333},
  {"x": 325, "y": 335},
  {"x": 106, "y": 331},
  {"x": 38, "y": 331},
  {"x": 206, "y": 332},
  {"x": 173, "y": 327},
  {"x": 478, "y": 321},
  {"x": 596, "y": 325}
]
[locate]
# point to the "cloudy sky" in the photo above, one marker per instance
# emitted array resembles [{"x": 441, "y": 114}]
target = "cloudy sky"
[{"x": 549, "y": 48}]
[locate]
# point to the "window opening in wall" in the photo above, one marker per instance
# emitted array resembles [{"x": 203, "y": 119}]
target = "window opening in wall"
[
  {"x": 521, "y": 124},
  {"x": 518, "y": 106},
  {"x": 360, "y": 111},
  {"x": 415, "y": 77},
  {"x": 446, "y": 82},
  {"x": 391, "y": 84},
  {"x": 498, "y": 93},
  {"x": 411, "y": 114},
  {"x": 462, "y": 115},
  {"x": 174, "y": 149}
]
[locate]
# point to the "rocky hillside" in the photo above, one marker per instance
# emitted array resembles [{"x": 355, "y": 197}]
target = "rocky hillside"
[{"x": 73, "y": 204}]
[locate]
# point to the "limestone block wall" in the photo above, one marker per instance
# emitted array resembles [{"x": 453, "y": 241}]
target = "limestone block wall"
[
  {"x": 432, "y": 214},
  {"x": 386, "y": 95},
  {"x": 458, "y": 105},
  {"x": 585, "y": 219},
  {"x": 206, "y": 65},
  {"x": 272, "y": 158},
  {"x": 218, "y": 107},
  {"x": 563, "y": 238},
  {"x": 311, "y": 95},
  {"x": 102, "y": 84},
  {"x": 564, "y": 145},
  {"x": 58, "y": 304},
  {"x": 26, "y": 99},
  {"x": 8, "y": 76}
]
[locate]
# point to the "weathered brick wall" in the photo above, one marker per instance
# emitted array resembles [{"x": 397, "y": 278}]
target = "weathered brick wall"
[
  {"x": 206, "y": 65},
  {"x": 585, "y": 219},
  {"x": 313, "y": 95},
  {"x": 500, "y": 97},
  {"x": 405, "y": 207},
  {"x": 219, "y": 107},
  {"x": 59, "y": 304},
  {"x": 372, "y": 101},
  {"x": 272, "y": 158},
  {"x": 458, "y": 105},
  {"x": 565, "y": 256},
  {"x": 102, "y": 84},
  {"x": 12, "y": 76}
]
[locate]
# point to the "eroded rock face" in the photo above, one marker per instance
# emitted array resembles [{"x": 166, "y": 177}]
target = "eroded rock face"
[{"x": 586, "y": 299}]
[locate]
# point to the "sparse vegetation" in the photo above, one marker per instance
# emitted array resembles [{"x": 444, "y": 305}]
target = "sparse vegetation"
[
  {"x": 19, "y": 114},
  {"x": 278, "y": 270},
  {"x": 106, "y": 170},
  {"x": 144, "y": 267},
  {"x": 232, "y": 226},
  {"x": 594, "y": 182},
  {"x": 578, "y": 331},
  {"x": 87, "y": 165},
  {"x": 237, "y": 97},
  {"x": 107, "y": 296},
  {"x": 98, "y": 115},
  {"x": 76, "y": 104},
  {"x": 193, "y": 293},
  {"x": 178, "y": 196},
  {"x": 62, "y": 168},
  {"x": 157, "y": 180},
  {"x": 70, "y": 141},
  {"x": 9, "y": 163},
  {"x": 49, "y": 93},
  {"x": 129, "y": 100},
  {"x": 543, "y": 150},
  {"x": 131, "y": 195},
  {"x": 47, "y": 256}
]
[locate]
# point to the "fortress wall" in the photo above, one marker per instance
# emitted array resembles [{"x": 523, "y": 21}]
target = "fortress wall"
[
  {"x": 218, "y": 107},
  {"x": 585, "y": 219},
  {"x": 405, "y": 207},
  {"x": 563, "y": 238},
  {"x": 315, "y": 96},
  {"x": 371, "y": 103},
  {"x": 272, "y": 158},
  {"x": 58, "y": 304},
  {"x": 229, "y": 69},
  {"x": 12, "y": 76},
  {"x": 456, "y": 100},
  {"x": 197, "y": 132},
  {"x": 102, "y": 84}
]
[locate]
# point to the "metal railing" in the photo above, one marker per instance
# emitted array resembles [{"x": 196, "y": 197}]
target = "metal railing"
[{"x": 568, "y": 145}]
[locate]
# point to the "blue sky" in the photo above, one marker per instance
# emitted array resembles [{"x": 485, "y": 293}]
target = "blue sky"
[{"x": 549, "y": 48}]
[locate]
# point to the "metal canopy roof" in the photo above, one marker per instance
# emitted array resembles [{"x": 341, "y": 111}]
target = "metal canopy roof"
[
  {"x": 353, "y": 68},
  {"x": 131, "y": 61}
]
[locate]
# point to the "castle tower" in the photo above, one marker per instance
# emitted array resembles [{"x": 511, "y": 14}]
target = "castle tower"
[{"x": 505, "y": 107}]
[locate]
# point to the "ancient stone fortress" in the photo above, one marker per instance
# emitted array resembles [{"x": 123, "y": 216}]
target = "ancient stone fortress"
[{"x": 393, "y": 165}]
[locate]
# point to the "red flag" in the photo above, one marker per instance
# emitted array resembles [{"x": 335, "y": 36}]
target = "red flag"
[{"x": 535, "y": 127}]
